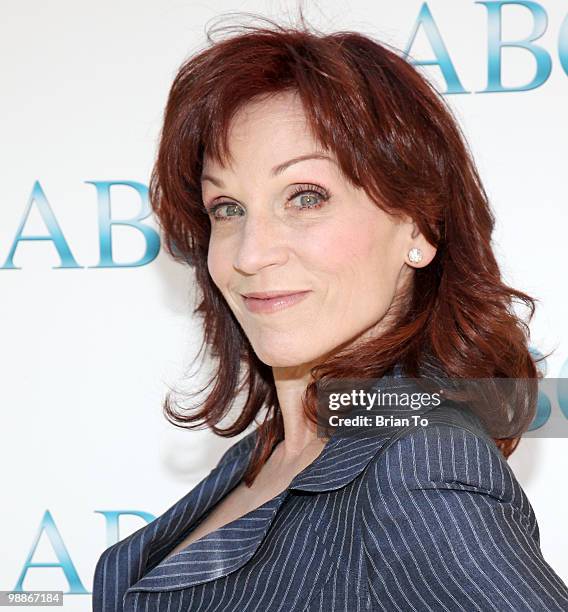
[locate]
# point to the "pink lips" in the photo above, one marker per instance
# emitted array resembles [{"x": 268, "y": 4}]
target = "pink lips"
[{"x": 265, "y": 302}]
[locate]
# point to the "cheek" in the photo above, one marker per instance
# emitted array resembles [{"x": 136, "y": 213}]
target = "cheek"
[
  {"x": 336, "y": 241},
  {"x": 377, "y": 255},
  {"x": 217, "y": 264},
  {"x": 363, "y": 251}
]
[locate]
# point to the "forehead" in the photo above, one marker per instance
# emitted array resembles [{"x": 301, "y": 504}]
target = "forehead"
[
  {"x": 278, "y": 168},
  {"x": 273, "y": 128},
  {"x": 286, "y": 107}
]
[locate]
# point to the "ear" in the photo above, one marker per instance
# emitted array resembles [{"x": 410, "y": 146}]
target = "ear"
[{"x": 425, "y": 250}]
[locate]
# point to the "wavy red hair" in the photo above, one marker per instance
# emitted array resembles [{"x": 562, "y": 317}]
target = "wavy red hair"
[{"x": 394, "y": 136}]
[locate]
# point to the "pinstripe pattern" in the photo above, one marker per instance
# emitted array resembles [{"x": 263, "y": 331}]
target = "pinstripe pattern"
[{"x": 436, "y": 521}]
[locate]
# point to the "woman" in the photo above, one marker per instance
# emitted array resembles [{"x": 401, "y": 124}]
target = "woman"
[{"x": 338, "y": 229}]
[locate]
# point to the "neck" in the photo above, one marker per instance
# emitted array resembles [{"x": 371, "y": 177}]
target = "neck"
[{"x": 300, "y": 434}]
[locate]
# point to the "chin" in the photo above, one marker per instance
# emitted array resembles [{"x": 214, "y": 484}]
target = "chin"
[
  {"x": 284, "y": 357},
  {"x": 277, "y": 360}
]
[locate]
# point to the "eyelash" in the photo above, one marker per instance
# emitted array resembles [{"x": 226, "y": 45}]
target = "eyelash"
[{"x": 300, "y": 190}]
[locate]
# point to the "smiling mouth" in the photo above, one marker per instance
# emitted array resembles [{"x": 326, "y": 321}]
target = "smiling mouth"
[{"x": 274, "y": 302}]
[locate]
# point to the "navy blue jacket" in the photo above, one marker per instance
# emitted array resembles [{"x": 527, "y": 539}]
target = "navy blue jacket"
[{"x": 422, "y": 518}]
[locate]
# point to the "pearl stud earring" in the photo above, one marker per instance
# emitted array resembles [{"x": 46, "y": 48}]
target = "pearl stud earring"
[{"x": 415, "y": 255}]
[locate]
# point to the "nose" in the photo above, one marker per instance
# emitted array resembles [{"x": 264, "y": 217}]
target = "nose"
[{"x": 262, "y": 244}]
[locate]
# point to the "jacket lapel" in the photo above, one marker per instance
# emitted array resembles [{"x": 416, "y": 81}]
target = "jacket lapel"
[
  {"x": 151, "y": 543},
  {"x": 216, "y": 554},
  {"x": 225, "y": 550}
]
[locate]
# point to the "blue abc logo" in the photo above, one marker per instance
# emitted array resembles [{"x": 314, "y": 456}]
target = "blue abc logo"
[{"x": 545, "y": 402}]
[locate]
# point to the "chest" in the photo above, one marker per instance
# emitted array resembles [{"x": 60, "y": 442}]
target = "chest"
[
  {"x": 241, "y": 500},
  {"x": 308, "y": 550},
  {"x": 237, "y": 503}
]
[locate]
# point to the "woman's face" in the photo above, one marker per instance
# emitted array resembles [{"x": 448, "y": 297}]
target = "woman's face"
[{"x": 302, "y": 227}]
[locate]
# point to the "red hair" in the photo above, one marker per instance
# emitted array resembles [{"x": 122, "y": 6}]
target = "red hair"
[{"x": 394, "y": 136}]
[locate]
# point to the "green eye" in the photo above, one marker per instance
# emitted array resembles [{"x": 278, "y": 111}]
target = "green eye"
[
  {"x": 231, "y": 207},
  {"x": 311, "y": 197}
]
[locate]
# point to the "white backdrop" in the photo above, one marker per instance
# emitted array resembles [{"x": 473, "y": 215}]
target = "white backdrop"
[{"x": 88, "y": 351}]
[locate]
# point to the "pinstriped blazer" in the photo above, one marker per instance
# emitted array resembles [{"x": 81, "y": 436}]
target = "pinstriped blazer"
[{"x": 413, "y": 518}]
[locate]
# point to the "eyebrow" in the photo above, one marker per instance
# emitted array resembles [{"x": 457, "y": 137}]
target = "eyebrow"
[{"x": 275, "y": 171}]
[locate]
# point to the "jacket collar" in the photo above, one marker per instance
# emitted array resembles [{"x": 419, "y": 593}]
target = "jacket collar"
[
  {"x": 346, "y": 455},
  {"x": 206, "y": 559},
  {"x": 343, "y": 458}
]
